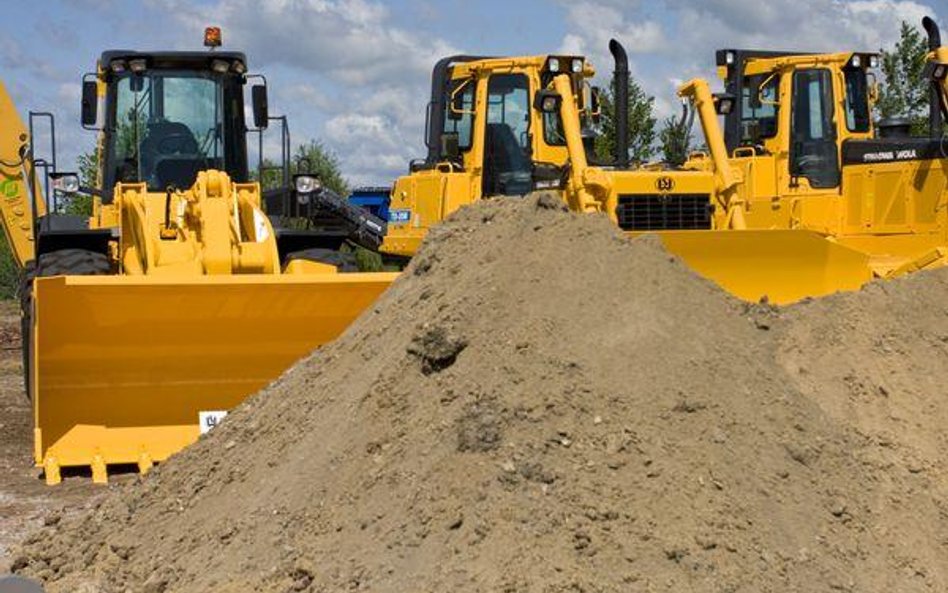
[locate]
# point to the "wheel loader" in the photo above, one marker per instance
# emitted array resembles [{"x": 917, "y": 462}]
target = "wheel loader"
[
  {"x": 188, "y": 288},
  {"x": 802, "y": 194}
]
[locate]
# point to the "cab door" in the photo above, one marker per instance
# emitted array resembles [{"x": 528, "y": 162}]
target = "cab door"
[
  {"x": 813, "y": 180},
  {"x": 507, "y": 159}
]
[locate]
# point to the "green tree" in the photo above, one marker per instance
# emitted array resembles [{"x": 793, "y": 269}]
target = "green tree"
[
  {"x": 904, "y": 91},
  {"x": 310, "y": 157},
  {"x": 675, "y": 139},
  {"x": 88, "y": 165},
  {"x": 642, "y": 122}
]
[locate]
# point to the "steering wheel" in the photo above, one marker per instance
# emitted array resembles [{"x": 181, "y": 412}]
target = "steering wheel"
[{"x": 176, "y": 143}]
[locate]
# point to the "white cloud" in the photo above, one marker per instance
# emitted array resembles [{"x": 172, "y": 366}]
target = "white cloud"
[
  {"x": 673, "y": 40},
  {"x": 343, "y": 63}
]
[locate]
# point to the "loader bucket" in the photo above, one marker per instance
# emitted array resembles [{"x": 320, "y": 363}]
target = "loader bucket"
[
  {"x": 782, "y": 265},
  {"x": 123, "y": 365}
]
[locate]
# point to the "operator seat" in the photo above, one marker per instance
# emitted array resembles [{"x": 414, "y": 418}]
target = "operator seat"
[{"x": 170, "y": 155}]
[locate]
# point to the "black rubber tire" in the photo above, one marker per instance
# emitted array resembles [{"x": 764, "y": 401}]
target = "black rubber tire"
[
  {"x": 64, "y": 262},
  {"x": 344, "y": 261}
]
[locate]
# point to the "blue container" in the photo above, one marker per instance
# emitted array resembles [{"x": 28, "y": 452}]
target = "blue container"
[{"x": 374, "y": 199}]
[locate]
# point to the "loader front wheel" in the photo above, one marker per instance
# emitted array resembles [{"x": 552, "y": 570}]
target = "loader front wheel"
[
  {"x": 63, "y": 262},
  {"x": 344, "y": 262}
]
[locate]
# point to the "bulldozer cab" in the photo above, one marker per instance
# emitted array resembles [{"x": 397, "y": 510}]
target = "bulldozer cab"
[
  {"x": 786, "y": 104},
  {"x": 168, "y": 116},
  {"x": 486, "y": 136}
]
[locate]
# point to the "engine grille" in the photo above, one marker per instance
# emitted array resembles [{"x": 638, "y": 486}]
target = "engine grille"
[{"x": 664, "y": 212}]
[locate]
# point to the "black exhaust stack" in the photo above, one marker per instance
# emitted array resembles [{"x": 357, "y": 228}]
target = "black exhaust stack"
[
  {"x": 934, "y": 96},
  {"x": 621, "y": 98}
]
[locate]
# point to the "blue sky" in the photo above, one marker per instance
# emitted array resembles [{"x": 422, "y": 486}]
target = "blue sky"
[{"x": 354, "y": 73}]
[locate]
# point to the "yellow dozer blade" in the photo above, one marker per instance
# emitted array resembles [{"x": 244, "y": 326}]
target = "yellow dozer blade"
[
  {"x": 782, "y": 265},
  {"x": 123, "y": 365}
]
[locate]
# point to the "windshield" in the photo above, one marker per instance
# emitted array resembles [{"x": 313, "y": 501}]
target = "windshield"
[{"x": 168, "y": 127}]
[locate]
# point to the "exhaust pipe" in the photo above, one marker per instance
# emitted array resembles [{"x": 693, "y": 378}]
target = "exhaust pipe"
[
  {"x": 934, "y": 97},
  {"x": 621, "y": 98}
]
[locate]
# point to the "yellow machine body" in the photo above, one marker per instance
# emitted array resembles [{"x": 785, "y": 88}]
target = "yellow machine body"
[
  {"x": 125, "y": 364},
  {"x": 190, "y": 306},
  {"x": 744, "y": 212}
]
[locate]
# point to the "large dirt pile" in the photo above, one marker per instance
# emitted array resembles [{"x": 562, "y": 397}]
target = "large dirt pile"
[{"x": 539, "y": 404}]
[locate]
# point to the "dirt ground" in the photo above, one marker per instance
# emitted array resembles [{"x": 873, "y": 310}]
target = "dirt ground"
[
  {"x": 26, "y": 502},
  {"x": 541, "y": 405}
]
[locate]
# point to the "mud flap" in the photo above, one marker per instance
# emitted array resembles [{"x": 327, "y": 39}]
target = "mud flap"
[
  {"x": 782, "y": 265},
  {"x": 123, "y": 365}
]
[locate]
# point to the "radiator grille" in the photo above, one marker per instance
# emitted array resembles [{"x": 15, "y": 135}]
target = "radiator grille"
[{"x": 664, "y": 212}]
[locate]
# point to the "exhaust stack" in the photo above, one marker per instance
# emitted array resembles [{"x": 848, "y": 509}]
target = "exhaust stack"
[
  {"x": 934, "y": 97},
  {"x": 621, "y": 98}
]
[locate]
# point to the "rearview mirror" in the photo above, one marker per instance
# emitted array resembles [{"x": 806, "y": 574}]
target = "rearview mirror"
[
  {"x": 90, "y": 103},
  {"x": 261, "y": 110},
  {"x": 450, "y": 145}
]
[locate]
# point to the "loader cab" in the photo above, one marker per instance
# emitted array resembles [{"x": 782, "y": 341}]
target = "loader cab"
[{"x": 168, "y": 115}]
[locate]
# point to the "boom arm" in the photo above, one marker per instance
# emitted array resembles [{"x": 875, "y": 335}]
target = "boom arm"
[{"x": 16, "y": 166}]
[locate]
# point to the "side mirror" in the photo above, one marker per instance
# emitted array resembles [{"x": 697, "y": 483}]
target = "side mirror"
[
  {"x": 547, "y": 101},
  {"x": 90, "y": 103},
  {"x": 450, "y": 145},
  {"x": 261, "y": 110}
]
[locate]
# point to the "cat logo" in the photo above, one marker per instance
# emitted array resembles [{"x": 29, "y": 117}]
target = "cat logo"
[{"x": 664, "y": 184}]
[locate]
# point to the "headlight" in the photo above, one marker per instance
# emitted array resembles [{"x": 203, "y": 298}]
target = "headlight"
[
  {"x": 220, "y": 66},
  {"x": 577, "y": 65},
  {"x": 873, "y": 62},
  {"x": 554, "y": 64},
  {"x": 137, "y": 65},
  {"x": 67, "y": 183},
  {"x": 117, "y": 66},
  {"x": 729, "y": 58},
  {"x": 306, "y": 184},
  {"x": 856, "y": 61}
]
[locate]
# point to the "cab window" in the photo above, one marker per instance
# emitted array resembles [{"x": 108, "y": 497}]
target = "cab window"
[
  {"x": 459, "y": 118},
  {"x": 759, "y": 111},
  {"x": 507, "y": 161},
  {"x": 857, "y": 100}
]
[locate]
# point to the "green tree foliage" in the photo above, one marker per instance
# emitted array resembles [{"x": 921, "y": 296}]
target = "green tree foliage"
[
  {"x": 641, "y": 124},
  {"x": 310, "y": 157},
  {"x": 88, "y": 164},
  {"x": 675, "y": 140},
  {"x": 904, "y": 91},
  {"x": 9, "y": 273}
]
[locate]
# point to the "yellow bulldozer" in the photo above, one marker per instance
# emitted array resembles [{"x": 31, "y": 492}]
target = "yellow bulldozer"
[
  {"x": 188, "y": 288},
  {"x": 801, "y": 195}
]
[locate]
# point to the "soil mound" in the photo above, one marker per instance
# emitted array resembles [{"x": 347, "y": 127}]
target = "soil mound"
[{"x": 540, "y": 404}]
